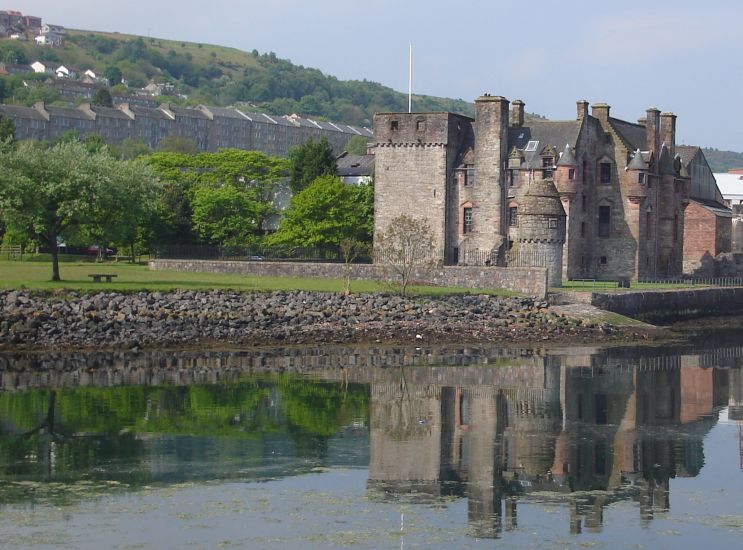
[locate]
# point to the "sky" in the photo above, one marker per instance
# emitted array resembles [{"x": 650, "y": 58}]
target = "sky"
[{"x": 680, "y": 56}]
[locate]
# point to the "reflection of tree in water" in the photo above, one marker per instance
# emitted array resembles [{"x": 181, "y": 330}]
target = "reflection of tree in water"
[{"x": 119, "y": 433}]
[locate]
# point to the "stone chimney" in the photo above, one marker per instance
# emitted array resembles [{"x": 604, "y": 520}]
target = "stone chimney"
[
  {"x": 40, "y": 108},
  {"x": 517, "y": 113},
  {"x": 652, "y": 127},
  {"x": 668, "y": 132},
  {"x": 582, "y": 109},
  {"x": 600, "y": 111}
]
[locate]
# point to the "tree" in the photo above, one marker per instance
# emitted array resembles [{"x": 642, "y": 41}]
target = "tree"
[
  {"x": 103, "y": 98},
  {"x": 310, "y": 161},
  {"x": 46, "y": 192},
  {"x": 7, "y": 128},
  {"x": 351, "y": 250},
  {"x": 227, "y": 215},
  {"x": 178, "y": 144},
  {"x": 247, "y": 176},
  {"x": 324, "y": 213},
  {"x": 113, "y": 75},
  {"x": 94, "y": 142},
  {"x": 357, "y": 145},
  {"x": 405, "y": 244},
  {"x": 130, "y": 149}
]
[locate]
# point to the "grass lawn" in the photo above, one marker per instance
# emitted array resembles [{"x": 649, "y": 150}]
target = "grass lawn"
[
  {"x": 590, "y": 286},
  {"x": 130, "y": 277}
]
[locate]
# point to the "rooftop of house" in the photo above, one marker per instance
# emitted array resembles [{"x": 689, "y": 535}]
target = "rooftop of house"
[
  {"x": 354, "y": 165},
  {"x": 730, "y": 185},
  {"x": 536, "y": 135}
]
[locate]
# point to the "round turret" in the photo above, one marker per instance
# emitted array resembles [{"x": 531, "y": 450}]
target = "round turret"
[{"x": 541, "y": 229}]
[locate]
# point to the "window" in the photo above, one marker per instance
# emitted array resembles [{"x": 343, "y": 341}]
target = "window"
[
  {"x": 531, "y": 146},
  {"x": 582, "y": 229},
  {"x": 394, "y": 125},
  {"x": 604, "y": 220},
  {"x": 641, "y": 177},
  {"x": 605, "y": 172},
  {"x": 513, "y": 177},
  {"x": 583, "y": 202},
  {"x": 552, "y": 223},
  {"x": 546, "y": 174},
  {"x": 420, "y": 125},
  {"x": 571, "y": 174},
  {"x": 547, "y": 162},
  {"x": 469, "y": 175},
  {"x": 513, "y": 216},
  {"x": 648, "y": 224},
  {"x": 467, "y": 220},
  {"x": 602, "y": 260}
]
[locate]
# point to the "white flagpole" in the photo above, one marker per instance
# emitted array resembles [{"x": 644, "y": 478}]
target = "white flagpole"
[{"x": 410, "y": 79}]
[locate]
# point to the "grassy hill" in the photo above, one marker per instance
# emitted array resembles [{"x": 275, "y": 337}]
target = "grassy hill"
[
  {"x": 722, "y": 161},
  {"x": 217, "y": 75}
]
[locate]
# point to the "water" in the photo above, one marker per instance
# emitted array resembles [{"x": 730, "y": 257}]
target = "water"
[{"x": 374, "y": 447}]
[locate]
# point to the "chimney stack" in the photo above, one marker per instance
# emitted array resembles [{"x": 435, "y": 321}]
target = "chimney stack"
[
  {"x": 652, "y": 127},
  {"x": 600, "y": 111},
  {"x": 668, "y": 132},
  {"x": 582, "y": 109},
  {"x": 517, "y": 113}
]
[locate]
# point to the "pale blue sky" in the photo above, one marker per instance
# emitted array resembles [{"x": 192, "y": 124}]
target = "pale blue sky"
[{"x": 681, "y": 56}]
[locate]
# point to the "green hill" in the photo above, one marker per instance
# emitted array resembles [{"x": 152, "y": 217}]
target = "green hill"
[
  {"x": 722, "y": 161},
  {"x": 221, "y": 76}
]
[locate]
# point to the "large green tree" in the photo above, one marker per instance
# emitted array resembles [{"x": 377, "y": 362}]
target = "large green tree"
[
  {"x": 196, "y": 187},
  {"x": 47, "y": 192},
  {"x": 310, "y": 161},
  {"x": 325, "y": 213}
]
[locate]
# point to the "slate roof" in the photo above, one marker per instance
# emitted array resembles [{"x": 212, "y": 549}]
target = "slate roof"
[
  {"x": 21, "y": 112},
  {"x": 638, "y": 162},
  {"x": 148, "y": 112},
  {"x": 184, "y": 111},
  {"x": 68, "y": 112},
  {"x": 714, "y": 207},
  {"x": 225, "y": 112},
  {"x": 110, "y": 112},
  {"x": 555, "y": 133},
  {"x": 634, "y": 135},
  {"x": 567, "y": 158},
  {"x": 730, "y": 185},
  {"x": 355, "y": 165},
  {"x": 687, "y": 152}
]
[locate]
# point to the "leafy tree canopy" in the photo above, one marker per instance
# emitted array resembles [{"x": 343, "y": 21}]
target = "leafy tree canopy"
[
  {"x": 310, "y": 161},
  {"x": 103, "y": 98},
  {"x": 178, "y": 144},
  {"x": 46, "y": 192},
  {"x": 7, "y": 128},
  {"x": 357, "y": 145},
  {"x": 325, "y": 213}
]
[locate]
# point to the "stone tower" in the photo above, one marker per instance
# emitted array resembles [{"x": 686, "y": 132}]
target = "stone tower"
[{"x": 541, "y": 229}]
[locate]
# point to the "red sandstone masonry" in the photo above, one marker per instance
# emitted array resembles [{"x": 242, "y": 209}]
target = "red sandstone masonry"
[{"x": 530, "y": 281}]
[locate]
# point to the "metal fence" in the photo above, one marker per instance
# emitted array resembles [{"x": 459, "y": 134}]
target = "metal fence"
[
  {"x": 329, "y": 254},
  {"x": 526, "y": 258},
  {"x": 689, "y": 281}
]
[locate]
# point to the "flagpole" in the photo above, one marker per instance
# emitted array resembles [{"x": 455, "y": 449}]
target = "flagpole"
[{"x": 410, "y": 79}]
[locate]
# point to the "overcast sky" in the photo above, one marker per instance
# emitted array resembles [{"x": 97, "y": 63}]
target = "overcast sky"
[{"x": 677, "y": 55}]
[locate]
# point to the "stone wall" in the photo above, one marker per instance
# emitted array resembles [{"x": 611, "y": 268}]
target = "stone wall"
[
  {"x": 531, "y": 281},
  {"x": 668, "y": 305}
]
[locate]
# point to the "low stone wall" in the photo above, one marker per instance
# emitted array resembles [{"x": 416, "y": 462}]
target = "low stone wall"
[
  {"x": 530, "y": 281},
  {"x": 668, "y": 305}
]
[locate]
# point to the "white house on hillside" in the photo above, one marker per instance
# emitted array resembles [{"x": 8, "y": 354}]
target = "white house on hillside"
[{"x": 39, "y": 67}]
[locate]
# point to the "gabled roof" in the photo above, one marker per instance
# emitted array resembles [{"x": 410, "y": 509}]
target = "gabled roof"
[
  {"x": 633, "y": 135},
  {"x": 687, "y": 153},
  {"x": 68, "y": 112},
  {"x": 21, "y": 112}
]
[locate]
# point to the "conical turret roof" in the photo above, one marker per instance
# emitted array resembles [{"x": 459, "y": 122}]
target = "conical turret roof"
[
  {"x": 567, "y": 158},
  {"x": 665, "y": 162},
  {"x": 540, "y": 198},
  {"x": 637, "y": 162}
]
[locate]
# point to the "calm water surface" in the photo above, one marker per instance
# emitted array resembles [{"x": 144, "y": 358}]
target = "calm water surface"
[{"x": 368, "y": 447}]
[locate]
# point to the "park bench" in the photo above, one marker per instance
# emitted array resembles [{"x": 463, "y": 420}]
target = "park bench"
[{"x": 98, "y": 276}]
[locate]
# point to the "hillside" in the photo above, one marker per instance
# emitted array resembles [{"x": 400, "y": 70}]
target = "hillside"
[
  {"x": 722, "y": 161},
  {"x": 221, "y": 76}
]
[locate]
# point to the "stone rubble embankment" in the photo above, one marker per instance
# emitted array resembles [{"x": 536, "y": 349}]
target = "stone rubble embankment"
[{"x": 35, "y": 320}]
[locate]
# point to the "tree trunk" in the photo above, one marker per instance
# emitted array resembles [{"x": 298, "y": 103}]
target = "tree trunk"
[
  {"x": 131, "y": 248},
  {"x": 55, "y": 258}
]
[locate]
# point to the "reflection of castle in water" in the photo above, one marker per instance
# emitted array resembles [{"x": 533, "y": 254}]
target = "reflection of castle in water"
[{"x": 590, "y": 435}]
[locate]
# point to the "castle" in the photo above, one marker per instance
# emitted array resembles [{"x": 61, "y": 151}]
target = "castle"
[{"x": 623, "y": 187}]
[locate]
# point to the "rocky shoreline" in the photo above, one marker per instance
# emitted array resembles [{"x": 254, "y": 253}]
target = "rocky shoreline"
[{"x": 114, "y": 320}]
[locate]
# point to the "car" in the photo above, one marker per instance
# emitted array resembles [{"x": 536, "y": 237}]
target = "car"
[{"x": 97, "y": 250}]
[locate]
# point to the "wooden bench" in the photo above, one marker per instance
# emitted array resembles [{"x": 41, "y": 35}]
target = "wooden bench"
[{"x": 98, "y": 276}]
